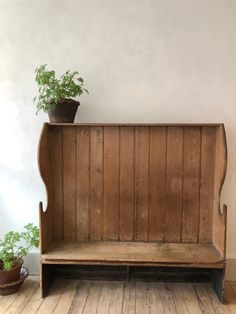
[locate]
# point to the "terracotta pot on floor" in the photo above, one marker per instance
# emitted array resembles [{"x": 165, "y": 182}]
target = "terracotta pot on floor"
[{"x": 9, "y": 276}]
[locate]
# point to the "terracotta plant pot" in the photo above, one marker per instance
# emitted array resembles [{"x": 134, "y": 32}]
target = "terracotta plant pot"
[
  {"x": 15, "y": 285},
  {"x": 9, "y": 276},
  {"x": 64, "y": 112}
]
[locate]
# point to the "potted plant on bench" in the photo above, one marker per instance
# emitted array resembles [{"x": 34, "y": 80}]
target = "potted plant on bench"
[
  {"x": 13, "y": 248},
  {"x": 56, "y": 95}
]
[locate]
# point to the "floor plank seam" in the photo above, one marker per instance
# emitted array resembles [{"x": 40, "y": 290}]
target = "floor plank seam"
[
  {"x": 22, "y": 311},
  {"x": 122, "y": 306},
  {"x": 74, "y": 298},
  {"x": 120, "y": 297},
  {"x": 59, "y": 299},
  {"x": 91, "y": 282}
]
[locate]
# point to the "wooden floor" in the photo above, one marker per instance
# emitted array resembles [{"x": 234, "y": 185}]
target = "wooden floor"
[{"x": 88, "y": 297}]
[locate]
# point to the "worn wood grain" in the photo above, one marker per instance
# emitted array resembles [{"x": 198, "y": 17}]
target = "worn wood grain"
[
  {"x": 105, "y": 298},
  {"x": 50, "y": 303},
  {"x": 157, "y": 184},
  {"x": 15, "y": 303},
  {"x": 56, "y": 155},
  {"x": 185, "y": 298},
  {"x": 129, "y": 298},
  {"x": 133, "y": 252},
  {"x": 207, "y": 184},
  {"x": 6, "y": 302},
  {"x": 132, "y": 184},
  {"x": 126, "y": 183},
  {"x": 142, "y": 303},
  {"x": 96, "y": 183},
  {"x": 27, "y": 291},
  {"x": 141, "y": 182},
  {"x": 111, "y": 213},
  {"x": 34, "y": 303},
  {"x": 102, "y": 297},
  {"x": 69, "y": 182},
  {"x": 83, "y": 183},
  {"x": 166, "y": 181},
  {"x": 93, "y": 298},
  {"x": 202, "y": 296},
  {"x": 80, "y": 298},
  {"x": 191, "y": 184},
  {"x": 217, "y": 305},
  {"x": 67, "y": 297},
  {"x": 174, "y": 184},
  {"x": 157, "y": 305},
  {"x": 46, "y": 213},
  {"x": 220, "y": 210},
  {"x": 116, "y": 302},
  {"x": 167, "y": 296}
]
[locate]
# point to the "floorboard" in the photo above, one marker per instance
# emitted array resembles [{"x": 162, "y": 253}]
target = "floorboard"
[{"x": 116, "y": 297}]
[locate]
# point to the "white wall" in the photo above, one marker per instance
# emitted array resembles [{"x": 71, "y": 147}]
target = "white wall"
[{"x": 143, "y": 61}]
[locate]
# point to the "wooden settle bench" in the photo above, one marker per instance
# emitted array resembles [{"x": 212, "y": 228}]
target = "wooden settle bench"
[{"x": 133, "y": 195}]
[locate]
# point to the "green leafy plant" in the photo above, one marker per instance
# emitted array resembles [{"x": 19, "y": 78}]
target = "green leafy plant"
[
  {"x": 16, "y": 245},
  {"x": 53, "y": 90}
]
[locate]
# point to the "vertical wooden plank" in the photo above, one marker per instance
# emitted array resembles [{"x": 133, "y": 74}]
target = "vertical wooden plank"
[
  {"x": 141, "y": 182},
  {"x": 111, "y": 184},
  {"x": 126, "y": 183},
  {"x": 218, "y": 306},
  {"x": 49, "y": 303},
  {"x": 207, "y": 183},
  {"x": 69, "y": 182},
  {"x": 82, "y": 201},
  {"x": 80, "y": 298},
  {"x": 129, "y": 298},
  {"x": 167, "y": 297},
  {"x": 56, "y": 164},
  {"x": 220, "y": 211},
  {"x": 157, "y": 183},
  {"x": 174, "y": 183},
  {"x": 34, "y": 303},
  {"x": 93, "y": 298},
  {"x": 191, "y": 183},
  {"x": 7, "y": 301},
  {"x": 23, "y": 297},
  {"x": 105, "y": 298},
  {"x": 117, "y": 293},
  {"x": 46, "y": 220},
  {"x": 96, "y": 182},
  {"x": 67, "y": 297},
  {"x": 185, "y": 298},
  {"x": 156, "y": 302},
  {"x": 142, "y": 303},
  {"x": 203, "y": 299}
]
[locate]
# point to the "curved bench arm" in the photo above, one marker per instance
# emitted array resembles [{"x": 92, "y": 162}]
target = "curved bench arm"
[
  {"x": 45, "y": 217},
  {"x": 220, "y": 212}
]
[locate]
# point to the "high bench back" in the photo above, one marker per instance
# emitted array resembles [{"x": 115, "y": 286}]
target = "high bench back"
[{"x": 151, "y": 183}]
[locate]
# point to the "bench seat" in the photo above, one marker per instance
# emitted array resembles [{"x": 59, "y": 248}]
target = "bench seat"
[{"x": 133, "y": 253}]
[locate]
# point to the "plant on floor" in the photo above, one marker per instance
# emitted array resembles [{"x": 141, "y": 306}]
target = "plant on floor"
[
  {"x": 16, "y": 245},
  {"x": 52, "y": 90}
]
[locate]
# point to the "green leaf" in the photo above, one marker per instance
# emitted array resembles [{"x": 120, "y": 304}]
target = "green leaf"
[
  {"x": 52, "y": 90},
  {"x": 12, "y": 247}
]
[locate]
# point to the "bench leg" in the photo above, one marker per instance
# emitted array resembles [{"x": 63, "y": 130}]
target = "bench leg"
[
  {"x": 46, "y": 278},
  {"x": 218, "y": 283}
]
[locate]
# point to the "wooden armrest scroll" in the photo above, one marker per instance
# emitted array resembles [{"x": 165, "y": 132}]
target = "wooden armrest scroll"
[{"x": 45, "y": 216}]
